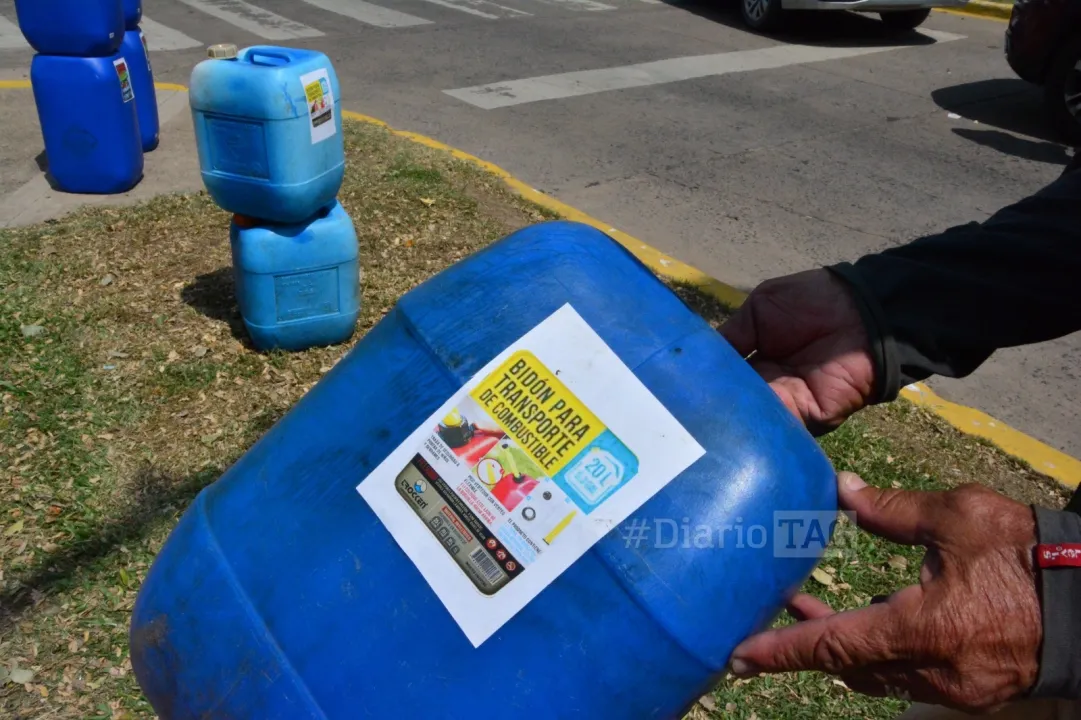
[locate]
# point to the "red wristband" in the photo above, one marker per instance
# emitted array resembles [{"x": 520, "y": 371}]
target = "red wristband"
[{"x": 1059, "y": 555}]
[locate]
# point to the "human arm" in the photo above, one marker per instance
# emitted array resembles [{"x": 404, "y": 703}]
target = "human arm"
[
  {"x": 942, "y": 304},
  {"x": 831, "y": 341}
]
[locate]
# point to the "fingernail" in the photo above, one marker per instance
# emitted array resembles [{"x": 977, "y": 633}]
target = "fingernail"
[
  {"x": 741, "y": 668},
  {"x": 853, "y": 482}
]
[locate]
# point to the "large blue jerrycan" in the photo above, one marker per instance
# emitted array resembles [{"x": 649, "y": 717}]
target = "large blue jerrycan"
[
  {"x": 86, "y": 107},
  {"x": 134, "y": 50},
  {"x": 89, "y": 28},
  {"x": 280, "y": 594},
  {"x": 297, "y": 286},
  {"x": 268, "y": 127}
]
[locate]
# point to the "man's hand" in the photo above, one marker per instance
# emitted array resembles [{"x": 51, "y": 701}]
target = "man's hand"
[
  {"x": 967, "y": 636},
  {"x": 809, "y": 344}
]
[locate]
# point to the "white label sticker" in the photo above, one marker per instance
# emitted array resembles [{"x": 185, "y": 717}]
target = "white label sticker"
[
  {"x": 320, "y": 99},
  {"x": 551, "y": 445},
  {"x": 146, "y": 51},
  {"x": 126, "y": 90}
]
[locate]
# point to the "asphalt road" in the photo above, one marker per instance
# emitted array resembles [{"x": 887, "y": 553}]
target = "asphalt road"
[{"x": 743, "y": 155}]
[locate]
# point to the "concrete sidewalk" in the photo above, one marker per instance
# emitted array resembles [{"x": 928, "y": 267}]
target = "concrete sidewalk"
[{"x": 26, "y": 195}]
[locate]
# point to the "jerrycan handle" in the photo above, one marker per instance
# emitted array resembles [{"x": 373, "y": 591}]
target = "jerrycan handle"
[{"x": 267, "y": 56}]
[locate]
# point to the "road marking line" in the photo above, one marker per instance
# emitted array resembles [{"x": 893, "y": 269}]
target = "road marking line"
[
  {"x": 586, "y": 82},
  {"x": 581, "y": 5},
  {"x": 11, "y": 38},
  {"x": 368, "y": 13},
  {"x": 253, "y": 19},
  {"x": 160, "y": 38},
  {"x": 471, "y": 7}
]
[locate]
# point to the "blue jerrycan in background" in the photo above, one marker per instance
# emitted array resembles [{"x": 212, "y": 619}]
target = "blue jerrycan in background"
[
  {"x": 133, "y": 14},
  {"x": 298, "y": 286},
  {"x": 280, "y": 594},
  {"x": 134, "y": 50},
  {"x": 268, "y": 129},
  {"x": 89, "y": 28},
  {"x": 86, "y": 107}
]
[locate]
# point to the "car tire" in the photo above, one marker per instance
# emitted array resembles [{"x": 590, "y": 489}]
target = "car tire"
[
  {"x": 762, "y": 15},
  {"x": 1060, "y": 80},
  {"x": 905, "y": 20}
]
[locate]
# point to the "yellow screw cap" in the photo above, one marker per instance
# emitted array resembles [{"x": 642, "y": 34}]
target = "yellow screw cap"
[
  {"x": 223, "y": 51},
  {"x": 453, "y": 419}
]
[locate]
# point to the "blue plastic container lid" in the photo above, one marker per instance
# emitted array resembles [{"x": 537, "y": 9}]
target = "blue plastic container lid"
[{"x": 262, "y": 82}]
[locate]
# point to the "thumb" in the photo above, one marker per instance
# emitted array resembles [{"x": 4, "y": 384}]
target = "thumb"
[
  {"x": 739, "y": 330},
  {"x": 909, "y": 517}
]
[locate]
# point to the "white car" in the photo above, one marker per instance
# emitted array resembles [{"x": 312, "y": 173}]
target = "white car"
[{"x": 899, "y": 15}]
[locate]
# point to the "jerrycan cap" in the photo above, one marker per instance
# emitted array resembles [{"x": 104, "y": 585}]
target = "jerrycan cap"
[{"x": 222, "y": 51}]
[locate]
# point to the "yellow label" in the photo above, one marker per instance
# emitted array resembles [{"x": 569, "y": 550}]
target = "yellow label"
[
  {"x": 537, "y": 411},
  {"x": 314, "y": 91}
]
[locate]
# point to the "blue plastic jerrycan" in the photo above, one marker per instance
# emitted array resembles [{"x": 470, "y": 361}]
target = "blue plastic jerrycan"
[
  {"x": 133, "y": 14},
  {"x": 86, "y": 107},
  {"x": 281, "y": 595},
  {"x": 135, "y": 51},
  {"x": 298, "y": 286},
  {"x": 88, "y": 28},
  {"x": 268, "y": 129}
]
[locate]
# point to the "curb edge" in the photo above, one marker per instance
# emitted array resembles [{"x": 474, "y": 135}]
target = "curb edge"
[{"x": 985, "y": 9}]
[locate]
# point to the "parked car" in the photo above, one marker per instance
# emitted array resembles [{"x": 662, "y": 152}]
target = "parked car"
[
  {"x": 899, "y": 15},
  {"x": 1043, "y": 46}
]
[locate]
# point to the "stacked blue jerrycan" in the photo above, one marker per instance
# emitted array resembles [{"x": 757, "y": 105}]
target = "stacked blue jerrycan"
[
  {"x": 135, "y": 49},
  {"x": 268, "y": 128},
  {"x": 280, "y": 594},
  {"x": 84, "y": 92},
  {"x": 133, "y": 14},
  {"x": 297, "y": 285},
  {"x": 86, "y": 28},
  {"x": 264, "y": 150}
]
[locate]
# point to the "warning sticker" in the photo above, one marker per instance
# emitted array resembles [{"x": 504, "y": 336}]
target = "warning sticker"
[
  {"x": 521, "y": 471},
  {"x": 320, "y": 99},
  {"x": 126, "y": 90}
]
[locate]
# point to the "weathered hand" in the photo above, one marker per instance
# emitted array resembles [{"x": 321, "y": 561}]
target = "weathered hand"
[
  {"x": 967, "y": 636},
  {"x": 809, "y": 344}
]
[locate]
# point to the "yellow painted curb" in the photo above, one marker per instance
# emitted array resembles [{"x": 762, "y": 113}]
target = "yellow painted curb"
[
  {"x": 1040, "y": 456},
  {"x": 985, "y": 9},
  {"x": 25, "y": 85}
]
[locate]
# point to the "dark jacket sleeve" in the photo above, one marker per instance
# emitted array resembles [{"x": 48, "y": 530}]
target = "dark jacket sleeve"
[
  {"x": 1060, "y": 601},
  {"x": 942, "y": 304}
]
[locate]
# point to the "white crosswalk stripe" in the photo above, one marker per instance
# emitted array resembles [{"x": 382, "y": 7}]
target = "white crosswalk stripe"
[
  {"x": 11, "y": 38},
  {"x": 481, "y": 8},
  {"x": 368, "y": 13},
  {"x": 250, "y": 17},
  {"x": 160, "y": 38},
  {"x": 586, "y": 5},
  {"x": 657, "y": 72},
  {"x": 253, "y": 19}
]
